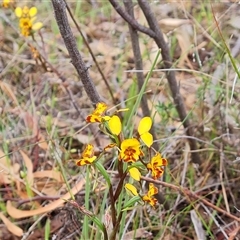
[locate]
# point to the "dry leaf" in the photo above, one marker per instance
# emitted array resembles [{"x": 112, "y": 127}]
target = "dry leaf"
[
  {"x": 49, "y": 189},
  {"x": 139, "y": 233},
  {"x": 6, "y": 170},
  {"x": 153, "y": 51},
  {"x": 31, "y": 122},
  {"x": 108, "y": 66},
  {"x": 8, "y": 90},
  {"x": 17, "y": 231},
  {"x": 22, "y": 194},
  {"x": 100, "y": 47},
  {"x": 49, "y": 174},
  {"x": 94, "y": 31},
  {"x": 83, "y": 138},
  {"x": 234, "y": 233},
  {"x": 29, "y": 166},
  {"x": 234, "y": 21},
  {"x": 197, "y": 225},
  {"x": 42, "y": 143},
  {"x": 55, "y": 120},
  {"x": 184, "y": 37},
  {"x": 139, "y": 16},
  {"x": 16, "y": 213},
  {"x": 169, "y": 24}
]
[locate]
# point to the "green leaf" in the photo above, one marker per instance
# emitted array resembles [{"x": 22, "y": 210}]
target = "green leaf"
[
  {"x": 131, "y": 202},
  {"x": 103, "y": 171},
  {"x": 47, "y": 230},
  {"x": 98, "y": 223}
]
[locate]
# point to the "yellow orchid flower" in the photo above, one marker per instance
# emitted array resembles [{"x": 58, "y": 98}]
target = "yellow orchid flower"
[
  {"x": 87, "y": 156},
  {"x": 97, "y": 115},
  {"x": 149, "y": 196},
  {"x": 26, "y": 20},
  {"x": 7, "y": 3},
  {"x": 130, "y": 150},
  {"x": 156, "y": 164},
  {"x": 146, "y": 198}
]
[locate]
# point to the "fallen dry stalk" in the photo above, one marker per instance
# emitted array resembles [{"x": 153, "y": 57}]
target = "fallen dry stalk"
[{"x": 190, "y": 196}]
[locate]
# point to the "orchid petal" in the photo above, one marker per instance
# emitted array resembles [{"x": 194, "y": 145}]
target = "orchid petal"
[
  {"x": 18, "y": 12},
  {"x": 32, "y": 12},
  {"x": 144, "y": 125},
  {"x": 134, "y": 173},
  {"x": 130, "y": 188},
  {"x": 147, "y": 138},
  {"x": 115, "y": 125}
]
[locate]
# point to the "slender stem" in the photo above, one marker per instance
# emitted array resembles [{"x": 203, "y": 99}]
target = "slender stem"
[
  {"x": 116, "y": 227},
  {"x": 120, "y": 186},
  {"x": 138, "y": 63},
  {"x": 113, "y": 209},
  {"x": 92, "y": 54},
  {"x": 131, "y": 20},
  {"x": 71, "y": 45},
  {"x": 120, "y": 168}
]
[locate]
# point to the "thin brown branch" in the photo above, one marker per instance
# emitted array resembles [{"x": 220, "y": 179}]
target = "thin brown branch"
[
  {"x": 116, "y": 227},
  {"x": 131, "y": 20},
  {"x": 112, "y": 202},
  {"x": 92, "y": 54},
  {"x": 137, "y": 56},
  {"x": 120, "y": 186},
  {"x": 53, "y": 69},
  {"x": 138, "y": 63},
  {"x": 71, "y": 45},
  {"x": 191, "y": 196}
]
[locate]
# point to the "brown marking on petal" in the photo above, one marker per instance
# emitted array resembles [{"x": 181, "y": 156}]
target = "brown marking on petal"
[
  {"x": 88, "y": 118},
  {"x": 164, "y": 162}
]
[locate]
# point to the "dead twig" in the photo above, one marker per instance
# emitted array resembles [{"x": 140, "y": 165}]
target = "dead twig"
[
  {"x": 92, "y": 54},
  {"x": 191, "y": 196},
  {"x": 71, "y": 45},
  {"x": 137, "y": 56}
]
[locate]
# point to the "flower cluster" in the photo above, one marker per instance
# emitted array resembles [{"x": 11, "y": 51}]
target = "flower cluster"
[
  {"x": 129, "y": 150},
  {"x": 7, "y": 3},
  {"x": 98, "y": 114},
  {"x": 87, "y": 156},
  {"x": 26, "y": 20}
]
